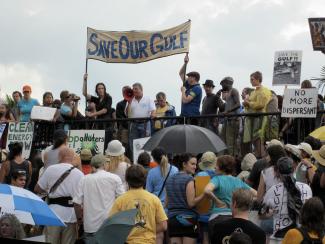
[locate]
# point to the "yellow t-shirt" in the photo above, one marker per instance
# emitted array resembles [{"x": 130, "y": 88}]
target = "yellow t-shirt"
[
  {"x": 151, "y": 213},
  {"x": 294, "y": 236},
  {"x": 160, "y": 113}
]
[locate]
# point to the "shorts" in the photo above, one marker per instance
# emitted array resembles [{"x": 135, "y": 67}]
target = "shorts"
[{"x": 176, "y": 229}]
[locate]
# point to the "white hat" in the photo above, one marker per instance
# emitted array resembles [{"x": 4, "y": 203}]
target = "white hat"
[
  {"x": 274, "y": 142},
  {"x": 115, "y": 148},
  {"x": 306, "y": 147}
]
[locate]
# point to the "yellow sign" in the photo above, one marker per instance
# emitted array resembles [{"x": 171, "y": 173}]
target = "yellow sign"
[
  {"x": 137, "y": 46},
  {"x": 200, "y": 183}
]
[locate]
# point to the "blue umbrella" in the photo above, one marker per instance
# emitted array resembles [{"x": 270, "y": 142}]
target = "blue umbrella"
[{"x": 28, "y": 207}]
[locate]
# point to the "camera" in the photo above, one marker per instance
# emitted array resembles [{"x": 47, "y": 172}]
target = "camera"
[{"x": 73, "y": 97}]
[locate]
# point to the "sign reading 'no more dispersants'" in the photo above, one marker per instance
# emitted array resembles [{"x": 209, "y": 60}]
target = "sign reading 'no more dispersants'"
[{"x": 137, "y": 46}]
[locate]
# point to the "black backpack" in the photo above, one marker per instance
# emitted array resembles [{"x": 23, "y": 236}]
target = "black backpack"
[{"x": 307, "y": 239}]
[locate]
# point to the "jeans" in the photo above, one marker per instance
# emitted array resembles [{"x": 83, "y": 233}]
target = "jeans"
[
  {"x": 88, "y": 237},
  {"x": 141, "y": 132}
]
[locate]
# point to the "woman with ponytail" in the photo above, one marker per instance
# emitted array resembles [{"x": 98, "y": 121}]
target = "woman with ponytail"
[
  {"x": 15, "y": 161},
  {"x": 157, "y": 177}
]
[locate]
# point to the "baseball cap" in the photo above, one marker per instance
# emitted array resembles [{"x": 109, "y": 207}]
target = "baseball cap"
[
  {"x": 59, "y": 133},
  {"x": 228, "y": 78},
  {"x": 98, "y": 161},
  {"x": 306, "y": 147},
  {"x": 27, "y": 88},
  {"x": 194, "y": 74},
  {"x": 85, "y": 154},
  {"x": 274, "y": 142}
]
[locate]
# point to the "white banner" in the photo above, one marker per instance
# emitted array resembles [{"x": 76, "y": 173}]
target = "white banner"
[
  {"x": 2, "y": 129},
  {"x": 42, "y": 113},
  {"x": 87, "y": 139},
  {"x": 137, "y": 148},
  {"x": 287, "y": 68},
  {"x": 21, "y": 132},
  {"x": 300, "y": 103}
]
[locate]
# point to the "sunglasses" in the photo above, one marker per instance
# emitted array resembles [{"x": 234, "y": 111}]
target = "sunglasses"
[
  {"x": 68, "y": 96},
  {"x": 21, "y": 172}
]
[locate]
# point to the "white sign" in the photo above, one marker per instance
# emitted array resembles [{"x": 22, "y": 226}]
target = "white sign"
[
  {"x": 300, "y": 103},
  {"x": 42, "y": 113},
  {"x": 137, "y": 148},
  {"x": 21, "y": 132},
  {"x": 287, "y": 68},
  {"x": 93, "y": 140},
  {"x": 2, "y": 129}
]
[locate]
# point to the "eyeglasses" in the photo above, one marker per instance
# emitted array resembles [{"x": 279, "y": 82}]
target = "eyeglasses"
[{"x": 68, "y": 96}]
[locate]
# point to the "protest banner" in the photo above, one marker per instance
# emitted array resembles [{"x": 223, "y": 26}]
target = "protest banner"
[
  {"x": 21, "y": 132},
  {"x": 42, "y": 113},
  {"x": 301, "y": 103},
  {"x": 200, "y": 183},
  {"x": 93, "y": 140},
  {"x": 287, "y": 68},
  {"x": 137, "y": 148},
  {"x": 2, "y": 129},
  {"x": 137, "y": 46},
  {"x": 317, "y": 33}
]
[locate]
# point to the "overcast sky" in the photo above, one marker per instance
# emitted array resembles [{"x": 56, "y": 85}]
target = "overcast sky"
[{"x": 43, "y": 43}]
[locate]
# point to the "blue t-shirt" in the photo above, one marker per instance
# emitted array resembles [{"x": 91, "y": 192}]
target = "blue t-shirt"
[
  {"x": 25, "y": 109},
  {"x": 155, "y": 182},
  {"x": 193, "y": 107},
  {"x": 64, "y": 110},
  {"x": 225, "y": 185},
  {"x": 176, "y": 194}
]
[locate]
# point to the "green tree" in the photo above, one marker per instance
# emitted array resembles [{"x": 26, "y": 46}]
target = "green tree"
[{"x": 10, "y": 101}]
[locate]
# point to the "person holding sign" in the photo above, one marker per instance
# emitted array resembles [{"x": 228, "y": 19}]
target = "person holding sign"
[
  {"x": 48, "y": 102},
  {"x": 5, "y": 118},
  {"x": 103, "y": 105},
  {"x": 26, "y": 105},
  {"x": 256, "y": 103},
  {"x": 191, "y": 92}
]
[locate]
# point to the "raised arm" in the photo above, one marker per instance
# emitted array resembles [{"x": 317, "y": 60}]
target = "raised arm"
[
  {"x": 88, "y": 96},
  {"x": 182, "y": 71}
]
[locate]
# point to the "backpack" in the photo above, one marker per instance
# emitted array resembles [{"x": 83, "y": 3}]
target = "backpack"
[{"x": 307, "y": 239}]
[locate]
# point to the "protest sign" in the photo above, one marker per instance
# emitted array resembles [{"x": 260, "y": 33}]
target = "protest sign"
[
  {"x": 317, "y": 33},
  {"x": 137, "y": 148},
  {"x": 200, "y": 183},
  {"x": 21, "y": 132},
  {"x": 42, "y": 113},
  {"x": 93, "y": 140},
  {"x": 301, "y": 103},
  {"x": 287, "y": 68},
  {"x": 137, "y": 46},
  {"x": 2, "y": 129}
]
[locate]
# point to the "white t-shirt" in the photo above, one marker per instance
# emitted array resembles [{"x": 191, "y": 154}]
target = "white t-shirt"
[
  {"x": 141, "y": 109},
  {"x": 98, "y": 192},
  {"x": 276, "y": 199},
  {"x": 67, "y": 188}
]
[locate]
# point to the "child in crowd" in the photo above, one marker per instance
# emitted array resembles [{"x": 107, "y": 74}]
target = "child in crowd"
[{"x": 5, "y": 117}]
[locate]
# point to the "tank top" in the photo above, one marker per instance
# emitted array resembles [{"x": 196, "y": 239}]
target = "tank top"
[
  {"x": 22, "y": 166},
  {"x": 53, "y": 158},
  {"x": 229, "y": 104}
]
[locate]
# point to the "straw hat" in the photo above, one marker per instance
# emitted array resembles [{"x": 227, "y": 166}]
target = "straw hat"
[{"x": 319, "y": 155}]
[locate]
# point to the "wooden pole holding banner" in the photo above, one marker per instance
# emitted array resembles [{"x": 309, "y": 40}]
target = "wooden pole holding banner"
[
  {"x": 185, "y": 71},
  {"x": 86, "y": 82}
]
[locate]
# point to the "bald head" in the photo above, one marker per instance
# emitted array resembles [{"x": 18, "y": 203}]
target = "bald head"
[{"x": 66, "y": 155}]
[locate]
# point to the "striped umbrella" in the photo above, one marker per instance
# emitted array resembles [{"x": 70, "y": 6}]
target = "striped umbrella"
[{"x": 28, "y": 207}]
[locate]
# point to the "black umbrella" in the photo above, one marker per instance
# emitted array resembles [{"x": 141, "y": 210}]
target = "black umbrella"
[{"x": 185, "y": 138}]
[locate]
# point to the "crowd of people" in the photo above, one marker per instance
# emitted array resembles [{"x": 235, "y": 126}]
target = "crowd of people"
[{"x": 267, "y": 188}]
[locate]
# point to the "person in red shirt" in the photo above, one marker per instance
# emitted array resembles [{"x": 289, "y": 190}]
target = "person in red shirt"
[{"x": 86, "y": 157}]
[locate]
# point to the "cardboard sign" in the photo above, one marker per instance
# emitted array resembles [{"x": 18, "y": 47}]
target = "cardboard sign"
[
  {"x": 137, "y": 148},
  {"x": 299, "y": 103},
  {"x": 42, "y": 113},
  {"x": 93, "y": 140},
  {"x": 21, "y": 132},
  {"x": 2, "y": 129},
  {"x": 200, "y": 183},
  {"x": 137, "y": 46},
  {"x": 287, "y": 68}
]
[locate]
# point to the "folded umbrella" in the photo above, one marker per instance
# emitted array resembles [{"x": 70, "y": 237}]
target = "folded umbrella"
[
  {"x": 319, "y": 133},
  {"x": 27, "y": 206},
  {"x": 185, "y": 138},
  {"x": 116, "y": 228}
]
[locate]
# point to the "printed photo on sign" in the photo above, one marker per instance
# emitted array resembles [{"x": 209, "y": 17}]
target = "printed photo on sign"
[
  {"x": 299, "y": 103},
  {"x": 21, "y": 132},
  {"x": 317, "y": 33},
  {"x": 93, "y": 140},
  {"x": 287, "y": 68},
  {"x": 137, "y": 148}
]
